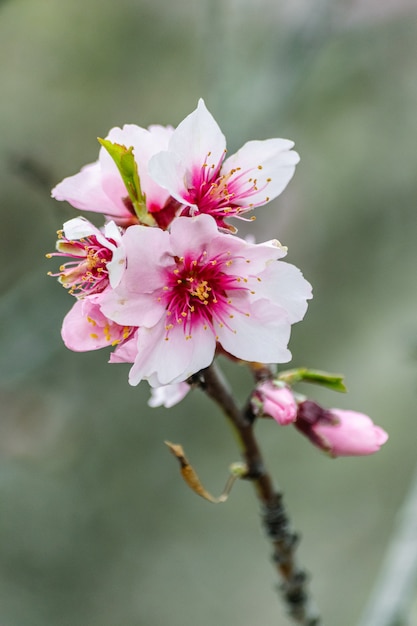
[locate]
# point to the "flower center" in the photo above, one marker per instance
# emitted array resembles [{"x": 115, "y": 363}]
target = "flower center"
[
  {"x": 88, "y": 272},
  {"x": 202, "y": 291},
  {"x": 221, "y": 194},
  {"x": 199, "y": 292}
]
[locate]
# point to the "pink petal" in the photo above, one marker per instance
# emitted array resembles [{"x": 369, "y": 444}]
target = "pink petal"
[
  {"x": 130, "y": 309},
  {"x": 85, "y": 328},
  {"x": 193, "y": 234},
  {"x": 89, "y": 191},
  {"x": 126, "y": 352}
]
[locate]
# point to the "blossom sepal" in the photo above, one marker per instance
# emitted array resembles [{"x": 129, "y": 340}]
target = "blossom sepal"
[{"x": 317, "y": 377}]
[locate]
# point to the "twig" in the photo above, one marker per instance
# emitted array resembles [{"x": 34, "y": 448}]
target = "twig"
[{"x": 274, "y": 516}]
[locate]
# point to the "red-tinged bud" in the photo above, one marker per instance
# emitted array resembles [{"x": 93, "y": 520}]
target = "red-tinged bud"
[{"x": 339, "y": 432}]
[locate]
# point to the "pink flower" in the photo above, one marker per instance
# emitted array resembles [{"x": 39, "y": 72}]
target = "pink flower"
[
  {"x": 97, "y": 257},
  {"x": 275, "y": 400},
  {"x": 99, "y": 186},
  {"x": 86, "y": 328},
  {"x": 340, "y": 432},
  {"x": 195, "y": 172},
  {"x": 194, "y": 287}
]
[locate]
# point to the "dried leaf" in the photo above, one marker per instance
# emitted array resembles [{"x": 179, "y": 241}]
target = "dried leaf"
[{"x": 190, "y": 476}]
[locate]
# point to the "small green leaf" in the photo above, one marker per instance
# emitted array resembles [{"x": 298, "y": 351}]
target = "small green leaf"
[
  {"x": 127, "y": 166},
  {"x": 302, "y": 374}
]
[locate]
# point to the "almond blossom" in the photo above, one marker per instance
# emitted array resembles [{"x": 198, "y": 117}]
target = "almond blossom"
[
  {"x": 193, "y": 288},
  {"x": 97, "y": 257},
  {"x": 99, "y": 186},
  {"x": 196, "y": 173},
  {"x": 97, "y": 263}
]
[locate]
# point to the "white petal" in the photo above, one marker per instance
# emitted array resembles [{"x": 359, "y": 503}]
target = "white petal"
[
  {"x": 198, "y": 139},
  {"x": 79, "y": 227},
  {"x": 148, "y": 252},
  {"x": 196, "y": 144},
  {"x": 167, "y": 170},
  {"x": 116, "y": 266},
  {"x": 261, "y": 336},
  {"x": 270, "y": 162},
  {"x": 165, "y": 361},
  {"x": 168, "y": 395},
  {"x": 285, "y": 285}
]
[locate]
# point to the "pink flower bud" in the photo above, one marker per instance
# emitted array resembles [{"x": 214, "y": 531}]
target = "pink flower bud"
[
  {"x": 276, "y": 402},
  {"x": 348, "y": 433}
]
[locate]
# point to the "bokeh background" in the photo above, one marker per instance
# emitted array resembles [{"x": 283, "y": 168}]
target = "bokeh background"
[{"x": 96, "y": 526}]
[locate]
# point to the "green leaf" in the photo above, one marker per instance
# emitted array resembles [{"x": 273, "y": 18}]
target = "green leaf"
[
  {"x": 317, "y": 377},
  {"x": 127, "y": 166}
]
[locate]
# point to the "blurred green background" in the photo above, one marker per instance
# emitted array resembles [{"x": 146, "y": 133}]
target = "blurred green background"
[{"x": 96, "y": 526}]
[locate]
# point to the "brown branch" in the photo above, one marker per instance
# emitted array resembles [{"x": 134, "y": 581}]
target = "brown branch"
[{"x": 274, "y": 517}]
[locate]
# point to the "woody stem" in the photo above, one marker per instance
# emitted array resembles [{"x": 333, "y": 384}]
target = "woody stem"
[{"x": 274, "y": 516}]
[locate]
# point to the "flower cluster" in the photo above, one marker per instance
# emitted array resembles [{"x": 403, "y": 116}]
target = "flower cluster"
[{"x": 166, "y": 281}]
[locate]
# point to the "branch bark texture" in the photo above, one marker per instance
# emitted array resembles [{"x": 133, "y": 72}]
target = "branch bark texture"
[{"x": 275, "y": 520}]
